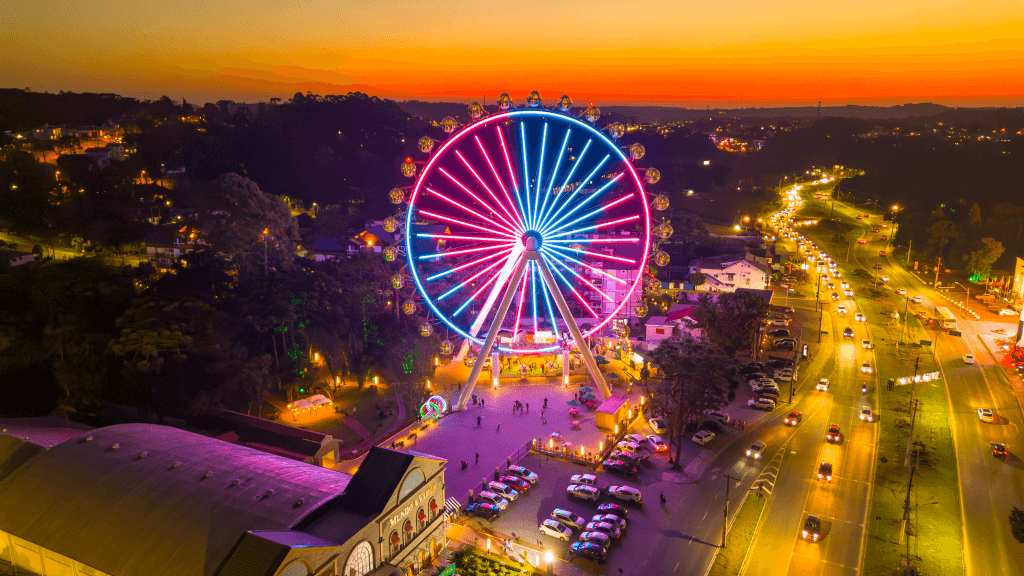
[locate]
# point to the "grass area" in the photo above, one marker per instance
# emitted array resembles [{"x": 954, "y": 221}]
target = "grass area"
[
  {"x": 936, "y": 540},
  {"x": 367, "y": 404},
  {"x": 476, "y": 562},
  {"x": 729, "y": 560}
]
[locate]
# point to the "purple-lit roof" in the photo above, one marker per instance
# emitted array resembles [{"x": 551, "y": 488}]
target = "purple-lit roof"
[{"x": 123, "y": 512}]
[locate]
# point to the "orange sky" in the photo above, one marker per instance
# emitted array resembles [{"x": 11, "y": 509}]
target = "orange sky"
[{"x": 732, "y": 53}]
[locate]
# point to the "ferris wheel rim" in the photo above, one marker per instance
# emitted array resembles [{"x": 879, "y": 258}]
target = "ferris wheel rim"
[{"x": 454, "y": 138}]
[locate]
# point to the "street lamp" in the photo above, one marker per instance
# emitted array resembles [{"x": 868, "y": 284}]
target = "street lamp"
[
  {"x": 549, "y": 559},
  {"x": 967, "y": 296}
]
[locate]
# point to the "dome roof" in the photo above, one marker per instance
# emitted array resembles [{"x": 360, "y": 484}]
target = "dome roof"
[{"x": 148, "y": 499}]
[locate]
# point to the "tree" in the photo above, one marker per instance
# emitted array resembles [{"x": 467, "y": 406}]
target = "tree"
[
  {"x": 1017, "y": 524},
  {"x": 731, "y": 322},
  {"x": 980, "y": 261},
  {"x": 691, "y": 382},
  {"x": 698, "y": 278},
  {"x": 940, "y": 233}
]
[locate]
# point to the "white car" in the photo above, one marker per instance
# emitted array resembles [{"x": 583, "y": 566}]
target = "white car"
[
  {"x": 492, "y": 498},
  {"x": 718, "y": 416},
  {"x": 1007, "y": 312},
  {"x": 627, "y": 445},
  {"x": 656, "y": 443},
  {"x": 866, "y": 415},
  {"x": 522, "y": 472},
  {"x": 986, "y": 415},
  {"x": 968, "y": 358},
  {"x": 883, "y": 278},
  {"x": 902, "y": 291},
  {"x": 588, "y": 479},
  {"x": 612, "y": 519},
  {"x": 554, "y": 529},
  {"x": 626, "y": 494},
  {"x": 608, "y": 529},
  {"x": 822, "y": 385},
  {"x": 583, "y": 492},
  {"x": 844, "y": 284},
  {"x": 637, "y": 439},
  {"x": 658, "y": 425},
  {"x": 761, "y": 404},
  {"x": 859, "y": 317},
  {"x": 756, "y": 449},
  {"x": 779, "y": 323},
  {"x": 841, "y": 309},
  {"x": 915, "y": 299},
  {"x": 866, "y": 368},
  {"x": 503, "y": 489},
  {"x": 703, "y": 437},
  {"x": 866, "y": 344}
]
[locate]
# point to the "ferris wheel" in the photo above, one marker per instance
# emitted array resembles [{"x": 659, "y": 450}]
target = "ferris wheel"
[{"x": 529, "y": 224}]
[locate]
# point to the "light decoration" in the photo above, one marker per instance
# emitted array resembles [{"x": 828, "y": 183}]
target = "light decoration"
[
  {"x": 447, "y": 348},
  {"x": 397, "y": 195},
  {"x": 926, "y": 377},
  {"x": 426, "y": 329},
  {"x": 409, "y": 307},
  {"x": 397, "y": 281},
  {"x": 433, "y": 408},
  {"x": 519, "y": 174},
  {"x": 390, "y": 253},
  {"x": 425, "y": 144}
]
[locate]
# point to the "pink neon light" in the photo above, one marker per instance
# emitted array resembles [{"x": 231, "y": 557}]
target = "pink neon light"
[
  {"x": 489, "y": 191},
  {"x": 504, "y": 148},
  {"x": 610, "y": 204},
  {"x": 501, "y": 182},
  {"x": 522, "y": 298},
  {"x": 473, "y": 238},
  {"x": 585, "y": 304},
  {"x": 599, "y": 271},
  {"x": 562, "y": 206},
  {"x": 612, "y": 240},
  {"x": 460, "y": 222},
  {"x": 596, "y": 226},
  {"x": 480, "y": 273},
  {"x": 605, "y": 256},
  {"x": 587, "y": 282},
  {"x": 470, "y": 210},
  {"x": 488, "y": 283},
  {"x": 471, "y": 250},
  {"x": 513, "y": 228},
  {"x": 478, "y": 261}
]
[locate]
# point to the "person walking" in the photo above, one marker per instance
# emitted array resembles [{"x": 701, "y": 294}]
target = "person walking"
[
  {"x": 527, "y": 406},
  {"x": 477, "y": 458},
  {"x": 478, "y": 421},
  {"x": 499, "y": 428},
  {"x": 663, "y": 500}
]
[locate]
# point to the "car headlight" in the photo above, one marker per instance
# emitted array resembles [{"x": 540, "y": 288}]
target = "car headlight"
[
  {"x": 805, "y": 533},
  {"x": 748, "y": 452},
  {"x": 757, "y": 455}
]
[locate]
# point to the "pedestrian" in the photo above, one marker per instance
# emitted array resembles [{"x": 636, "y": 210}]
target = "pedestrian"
[
  {"x": 527, "y": 406},
  {"x": 499, "y": 428},
  {"x": 481, "y": 402},
  {"x": 478, "y": 421},
  {"x": 508, "y": 462},
  {"x": 477, "y": 458},
  {"x": 663, "y": 500},
  {"x": 460, "y": 386},
  {"x": 545, "y": 402}
]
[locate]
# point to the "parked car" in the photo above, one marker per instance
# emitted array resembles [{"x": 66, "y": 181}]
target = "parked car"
[
  {"x": 596, "y": 537},
  {"x": 520, "y": 485},
  {"x": 626, "y": 494},
  {"x": 612, "y": 530},
  {"x": 613, "y": 508},
  {"x": 492, "y": 498},
  {"x": 484, "y": 510},
  {"x": 568, "y": 518},
  {"x": 554, "y": 529},
  {"x": 583, "y": 492},
  {"x": 780, "y": 333},
  {"x": 657, "y": 444},
  {"x": 612, "y": 519},
  {"x": 525, "y": 474},
  {"x": 588, "y": 479},
  {"x": 588, "y": 550},
  {"x": 794, "y": 418},
  {"x": 620, "y": 467},
  {"x": 703, "y": 437},
  {"x": 1007, "y": 312},
  {"x": 761, "y": 404},
  {"x": 503, "y": 489},
  {"x": 658, "y": 425},
  {"x": 627, "y": 456},
  {"x": 637, "y": 439},
  {"x": 719, "y": 416}
]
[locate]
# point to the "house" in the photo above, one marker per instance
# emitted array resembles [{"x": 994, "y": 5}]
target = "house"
[
  {"x": 374, "y": 236},
  {"x": 332, "y": 249},
  {"x": 14, "y": 258},
  {"x": 728, "y": 272},
  {"x": 165, "y": 247},
  {"x": 104, "y": 155},
  {"x": 47, "y": 132},
  {"x": 614, "y": 277},
  {"x": 680, "y": 321}
]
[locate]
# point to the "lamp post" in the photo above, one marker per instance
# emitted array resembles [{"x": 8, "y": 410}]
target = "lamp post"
[{"x": 967, "y": 296}]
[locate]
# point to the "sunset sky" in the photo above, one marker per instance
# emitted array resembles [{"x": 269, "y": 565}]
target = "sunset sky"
[{"x": 725, "y": 53}]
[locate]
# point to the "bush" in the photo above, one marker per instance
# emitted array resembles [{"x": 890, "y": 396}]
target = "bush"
[
  {"x": 732, "y": 394},
  {"x": 712, "y": 426}
]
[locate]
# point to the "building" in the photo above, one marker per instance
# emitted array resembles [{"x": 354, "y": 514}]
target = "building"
[
  {"x": 165, "y": 247},
  {"x": 680, "y": 321},
  {"x": 147, "y": 499},
  {"x": 104, "y": 155},
  {"x": 14, "y": 258},
  {"x": 332, "y": 249},
  {"x": 47, "y": 132},
  {"x": 614, "y": 278},
  {"x": 728, "y": 272}
]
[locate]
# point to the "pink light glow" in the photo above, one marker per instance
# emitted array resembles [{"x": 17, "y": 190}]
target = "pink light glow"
[
  {"x": 447, "y": 237},
  {"x": 585, "y": 304},
  {"x": 609, "y": 240},
  {"x": 596, "y": 226},
  {"x": 501, "y": 182},
  {"x": 508, "y": 161},
  {"x": 461, "y": 223},
  {"x": 604, "y": 256},
  {"x": 513, "y": 227},
  {"x": 474, "y": 262},
  {"x": 471, "y": 250},
  {"x": 472, "y": 278},
  {"x": 598, "y": 270},
  {"x": 470, "y": 210},
  {"x": 522, "y": 298},
  {"x": 497, "y": 202},
  {"x": 585, "y": 281}
]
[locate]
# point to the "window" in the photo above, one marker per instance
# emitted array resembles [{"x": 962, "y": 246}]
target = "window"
[
  {"x": 360, "y": 560},
  {"x": 407, "y": 532},
  {"x": 659, "y": 330},
  {"x": 421, "y": 519},
  {"x": 730, "y": 276},
  {"x": 396, "y": 543},
  {"x": 413, "y": 481}
]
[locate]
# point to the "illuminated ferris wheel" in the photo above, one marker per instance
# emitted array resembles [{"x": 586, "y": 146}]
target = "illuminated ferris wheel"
[{"x": 526, "y": 224}]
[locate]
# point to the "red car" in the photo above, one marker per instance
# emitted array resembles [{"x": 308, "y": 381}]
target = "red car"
[
  {"x": 885, "y": 237},
  {"x": 999, "y": 450},
  {"x": 860, "y": 217},
  {"x": 833, "y": 434},
  {"x": 516, "y": 482},
  {"x": 862, "y": 241},
  {"x": 881, "y": 252},
  {"x": 876, "y": 230}
]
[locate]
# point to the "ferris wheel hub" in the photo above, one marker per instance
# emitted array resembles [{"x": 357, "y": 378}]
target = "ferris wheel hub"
[{"x": 532, "y": 240}]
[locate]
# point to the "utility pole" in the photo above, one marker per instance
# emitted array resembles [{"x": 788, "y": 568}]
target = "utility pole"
[
  {"x": 877, "y": 258},
  {"x": 910, "y": 244},
  {"x": 906, "y": 320},
  {"x": 910, "y": 483},
  {"x": 821, "y": 313},
  {"x": 725, "y": 513},
  {"x": 938, "y": 264}
]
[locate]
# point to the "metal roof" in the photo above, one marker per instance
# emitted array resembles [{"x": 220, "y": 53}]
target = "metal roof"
[{"x": 148, "y": 499}]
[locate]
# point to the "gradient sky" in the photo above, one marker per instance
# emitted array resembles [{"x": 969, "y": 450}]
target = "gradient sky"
[{"x": 720, "y": 53}]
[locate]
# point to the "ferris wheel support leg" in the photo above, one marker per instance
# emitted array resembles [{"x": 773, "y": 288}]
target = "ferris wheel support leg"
[
  {"x": 492, "y": 334},
  {"x": 577, "y": 336}
]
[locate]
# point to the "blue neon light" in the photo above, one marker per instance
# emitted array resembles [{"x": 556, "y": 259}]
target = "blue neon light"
[{"x": 549, "y": 228}]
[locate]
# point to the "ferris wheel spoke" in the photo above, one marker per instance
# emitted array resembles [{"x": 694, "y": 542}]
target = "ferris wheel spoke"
[
  {"x": 464, "y": 208},
  {"x": 595, "y": 226},
  {"x": 465, "y": 251},
  {"x": 475, "y": 294},
  {"x": 540, "y": 172},
  {"x": 568, "y": 177},
  {"x": 468, "y": 281},
  {"x": 551, "y": 309},
  {"x": 605, "y": 240},
  {"x": 533, "y": 294},
  {"x": 568, "y": 284},
  {"x": 519, "y": 309},
  {"x": 561, "y": 254},
  {"x": 501, "y": 182},
  {"x": 582, "y": 279},
  {"x": 447, "y": 237},
  {"x": 466, "y": 224},
  {"x": 526, "y": 174},
  {"x": 554, "y": 174},
  {"x": 469, "y": 264},
  {"x": 558, "y": 228},
  {"x": 511, "y": 220},
  {"x": 512, "y": 174},
  {"x": 582, "y": 182}
]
